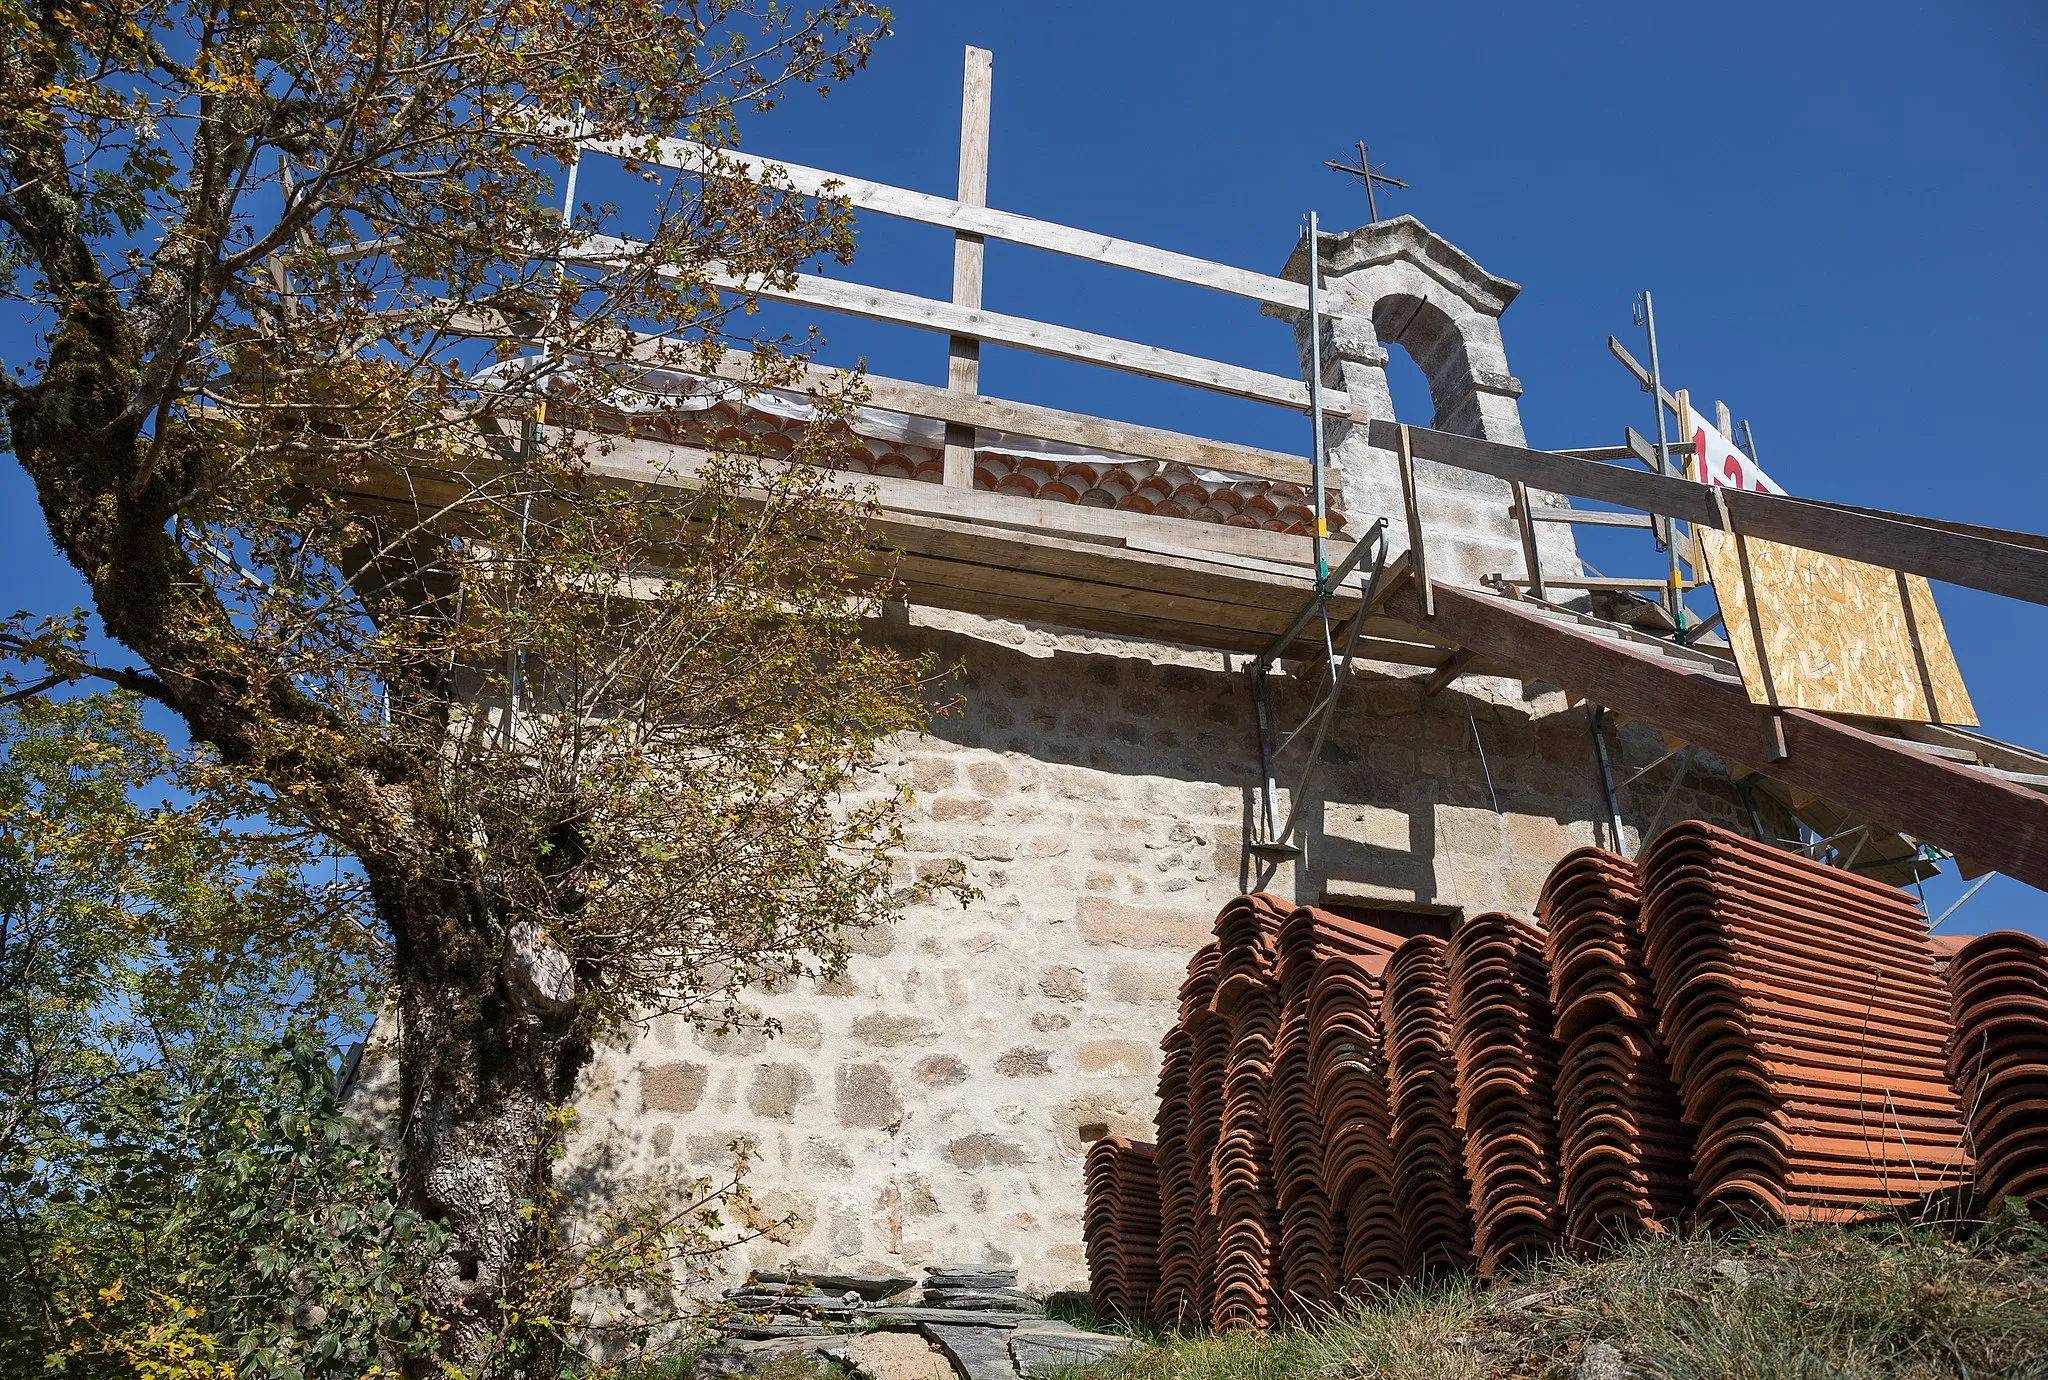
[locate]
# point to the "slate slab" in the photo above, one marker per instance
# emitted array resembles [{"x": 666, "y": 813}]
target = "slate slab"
[
  {"x": 970, "y": 1276},
  {"x": 1012, "y": 1300},
  {"x": 1045, "y": 1351},
  {"x": 965, "y": 1317},
  {"x": 750, "y": 1357},
  {"x": 873, "y": 1287},
  {"x": 978, "y": 1353}
]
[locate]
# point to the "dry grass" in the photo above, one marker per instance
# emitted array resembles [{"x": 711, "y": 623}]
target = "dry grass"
[{"x": 1823, "y": 1304}]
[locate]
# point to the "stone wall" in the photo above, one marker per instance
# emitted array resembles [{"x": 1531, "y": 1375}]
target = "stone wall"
[{"x": 934, "y": 1105}]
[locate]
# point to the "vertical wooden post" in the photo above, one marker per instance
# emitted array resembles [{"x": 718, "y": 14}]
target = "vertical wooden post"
[
  {"x": 963, "y": 356},
  {"x": 1418, "y": 554},
  {"x": 1530, "y": 555}
]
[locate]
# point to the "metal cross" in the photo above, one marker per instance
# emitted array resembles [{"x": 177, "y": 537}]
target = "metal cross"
[{"x": 1365, "y": 172}]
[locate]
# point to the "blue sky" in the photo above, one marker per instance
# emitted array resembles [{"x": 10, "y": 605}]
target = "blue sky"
[{"x": 1840, "y": 209}]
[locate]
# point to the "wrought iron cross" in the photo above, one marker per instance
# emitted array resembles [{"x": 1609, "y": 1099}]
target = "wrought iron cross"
[{"x": 1365, "y": 172}]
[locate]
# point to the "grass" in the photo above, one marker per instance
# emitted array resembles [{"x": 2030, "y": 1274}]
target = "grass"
[{"x": 1820, "y": 1304}]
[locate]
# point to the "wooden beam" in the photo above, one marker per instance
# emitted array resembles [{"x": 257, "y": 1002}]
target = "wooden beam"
[
  {"x": 1453, "y": 666},
  {"x": 994, "y": 328},
  {"x": 1589, "y": 517},
  {"x": 1418, "y": 551},
  {"x": 955, "y": 215},
  {"x": 2012, "y": 564},
  {"x": 1627, "y": 582},
  {"x": 963, "y": 353},
  {"x": 1527, "y": 527},
  {"x": 2001, "y": 824}
]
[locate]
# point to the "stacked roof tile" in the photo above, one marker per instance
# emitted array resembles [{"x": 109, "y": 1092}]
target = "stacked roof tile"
[
  {"x": 1120, "y": 1227},
  {"x": 1807, "y": 1029},
  {"x": 1623, "y": 1148},
  {"x": 1998, "y": 1061},
  {"x": 1311, "y": 1215},
  {"x": 1501, "y": 1028},
  {"x": 1431, "y": 1194},
  {"x": 1722, "y": 1029},
  {"x": 1247, "y": 1205},
  {"x": 1348, "y": 1072},
  {"x": 1190, "y": 1111}
]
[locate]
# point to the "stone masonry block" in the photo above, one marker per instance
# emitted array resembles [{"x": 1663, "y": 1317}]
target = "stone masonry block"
[
  {"x": 1142, "y": 985},
  {"x": 777, "y": 1090},
  {"x": 673, "y": 1087},
  {"x": 1540, "y": 839},
  {"x": 867, "y": 1097},
  {"x": 990, "y": 778},
  {"x": 1468, "y": 833},
  {"x": 1117, "y": 1115},
  {"x": 939, "y": 1071},
  {"x": 1114, "y": 923},
  {"x": 889, "y": 1029},
  {"x": 954, "y": 807},
  {"x": 1116, "y": 1058},
  {"x": 1024, "y": 1063},
  {"x": 983, "y": 1150},
  {"x": 1063, "y": 982}
]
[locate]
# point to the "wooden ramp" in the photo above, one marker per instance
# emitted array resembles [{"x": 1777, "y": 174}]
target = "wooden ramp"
[{"x": 1985, "y": 800}]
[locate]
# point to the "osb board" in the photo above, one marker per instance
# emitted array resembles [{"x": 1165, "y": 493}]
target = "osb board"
[{"x": 1838, "y": 636}]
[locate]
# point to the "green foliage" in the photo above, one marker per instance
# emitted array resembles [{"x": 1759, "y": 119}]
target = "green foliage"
[
  {"x": 174, "y": 1184},
  {"x": 226, "y": 1218}
]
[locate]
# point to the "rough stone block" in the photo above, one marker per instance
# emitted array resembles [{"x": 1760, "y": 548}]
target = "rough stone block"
[
  {"x": 934, "y": 773},
  {"x": 983, "y": 1150},
  {"x": 1118, "y": 1116},
  {"x": 1103, "y": 921},
  {"x": 673, "y": 1087},
  {"x": 1540, "y": 839},
  {"x": 956, "y": 807},
  {"x": 1024, "y": 1063},
  {"x": 889, "y": 1029},
  {"x": 741, "y": 1039},
  {"x": 1116, "y": 1058},
  {"x": 777, "y": 1090},
  {"x": 1371, "y": 825},
  {"x": 1062, "y": 982},
  {"x": 866, "y": 1097},
  {"x": 1468, "y": 833},
  {"x": 1142, "y": 985}
]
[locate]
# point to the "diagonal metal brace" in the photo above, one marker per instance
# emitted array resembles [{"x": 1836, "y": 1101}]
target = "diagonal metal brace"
[{"x": 1275, "y": 843}]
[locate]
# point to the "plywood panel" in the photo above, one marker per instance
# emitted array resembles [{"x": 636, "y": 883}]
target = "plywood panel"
[{"x": 1836, "y": 635}]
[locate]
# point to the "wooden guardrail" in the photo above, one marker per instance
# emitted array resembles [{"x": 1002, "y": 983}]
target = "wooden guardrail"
[{"x": 2014, "y": 564}]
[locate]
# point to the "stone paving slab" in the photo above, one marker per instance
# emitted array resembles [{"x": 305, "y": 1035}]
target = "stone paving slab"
[
  {"x": 978, "y": 1353},
  {"x": 1041, "y": 1352},
  {"x": 963, "y": 1317}
]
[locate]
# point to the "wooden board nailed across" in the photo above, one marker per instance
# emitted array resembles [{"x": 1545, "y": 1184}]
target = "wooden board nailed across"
[{"x": 1818, "y": 632}]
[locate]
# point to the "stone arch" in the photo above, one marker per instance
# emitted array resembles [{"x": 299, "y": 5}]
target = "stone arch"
[{"x": 1432, "y": 339}]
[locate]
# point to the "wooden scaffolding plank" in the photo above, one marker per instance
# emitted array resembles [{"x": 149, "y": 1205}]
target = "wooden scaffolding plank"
[
  {"x": 950, "y": 214},
  {"x": 994, "y": 328},
  {"x": 963, "y": 353},
  {"x": 2012, "y": 564}
]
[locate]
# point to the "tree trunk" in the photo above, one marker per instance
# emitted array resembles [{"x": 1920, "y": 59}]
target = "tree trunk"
[{"x": 490, "y": 1050}]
